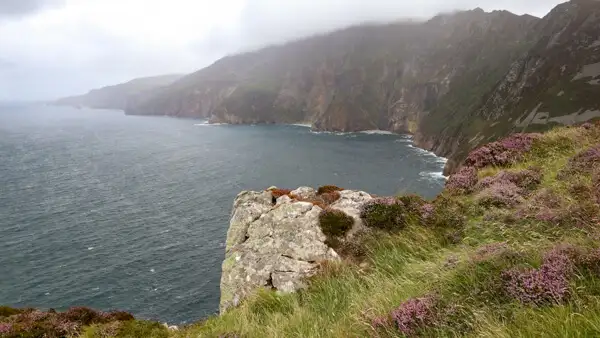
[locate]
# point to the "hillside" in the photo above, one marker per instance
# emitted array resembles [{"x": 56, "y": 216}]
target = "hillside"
[
  {"x": 117, "y": 96},
  {"x": 510, "y": 248},
  {"x": 456, "y": 81}
]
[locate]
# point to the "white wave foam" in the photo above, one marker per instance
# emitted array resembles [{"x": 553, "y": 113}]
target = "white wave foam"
[
  {"x": 438, "y": 159},
  {"x": 337, "y": 133},
  {"x": 376, "y": 132},
  {"x": 90, "y": 248},
  {"x": 433, "y": 175},
  {"x": 206, "y": 124},
  {"x": 304, "y": 125}
]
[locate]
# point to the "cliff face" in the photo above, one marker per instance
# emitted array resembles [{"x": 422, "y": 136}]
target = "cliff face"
[
  {"x": 556, "y": 82},
  {"x": 117, "y": 96},
  {"x": 276, "y": 242},
  {"x": 368, "y": 77},
  {"x": 455, "y": 81}
]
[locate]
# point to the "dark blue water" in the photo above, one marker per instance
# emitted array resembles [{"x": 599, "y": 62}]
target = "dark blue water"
[{"x": 119, "y": 212}]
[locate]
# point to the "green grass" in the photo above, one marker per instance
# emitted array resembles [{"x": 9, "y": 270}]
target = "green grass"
[{"x": 438, "y": 258}]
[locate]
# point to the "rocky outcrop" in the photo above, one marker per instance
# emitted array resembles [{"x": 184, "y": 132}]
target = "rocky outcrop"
[{"x": 277, "y": 243}]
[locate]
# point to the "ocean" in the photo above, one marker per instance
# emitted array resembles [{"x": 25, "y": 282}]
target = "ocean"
[{"x": 122, "y": 212}]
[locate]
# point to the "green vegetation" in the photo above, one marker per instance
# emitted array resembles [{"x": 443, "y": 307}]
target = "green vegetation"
[
  {"x": 130, "y": 329},
  {"x": 454, "y": 266},
  {"x": 458, "y": 267},
  {"x": 335, "y": 223}
]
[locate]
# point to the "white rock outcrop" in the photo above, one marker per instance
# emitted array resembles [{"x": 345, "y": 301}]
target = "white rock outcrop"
[{"x": 277, "y": 243}]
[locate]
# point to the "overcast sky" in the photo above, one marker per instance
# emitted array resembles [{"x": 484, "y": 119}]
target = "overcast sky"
[{"x": 53, "y": 48}]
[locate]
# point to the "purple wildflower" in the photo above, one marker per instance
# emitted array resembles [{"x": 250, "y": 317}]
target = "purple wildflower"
[
  {"x": 5, "y": 328},
  {"x": 547, "y": 284},
  {"x": 501, "y": 153},
  {"x": 463, "y": 181},
  {"x": 501, "y": 194},
  {"x": 487, "y": 251},
  {"x": 35, "y": 316},
  {"x": 525, "y": 179},
  {"x": 587, "y": 126},
  {"x": 427, "y": 211},
  {"x": 413, "y": 314},
  {"x": 584, "y": 162}
]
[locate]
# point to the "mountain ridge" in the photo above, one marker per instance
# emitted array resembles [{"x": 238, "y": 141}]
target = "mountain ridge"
[
  {"x": 116, "y": 96},
  {"x": 456, "y": 81}
]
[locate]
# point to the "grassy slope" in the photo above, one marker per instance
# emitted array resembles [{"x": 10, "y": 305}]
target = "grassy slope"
[
  {"x": 423, "y": 260},
  {"x": 442, "y": 260}
]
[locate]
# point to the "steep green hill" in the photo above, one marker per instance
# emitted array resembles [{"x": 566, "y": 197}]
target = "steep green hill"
[
  {"x": 117, "y": 96},
  {"x": 510, "y": 248},
  {"x": 456, "y": 81}
]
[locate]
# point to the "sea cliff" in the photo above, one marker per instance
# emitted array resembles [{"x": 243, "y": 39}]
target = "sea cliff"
[{"x": 510, "y": 248}]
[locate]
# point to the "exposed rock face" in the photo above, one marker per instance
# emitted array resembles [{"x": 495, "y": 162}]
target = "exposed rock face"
[
  {"x": 456, "y": 81},
  {"x": 350, "y": 203},
  {"x": 273, "y": 246},
  {"x": 554, "y": 82},
  {"x": 278, "y": 243},
  {"x": 369, "y": 77},
  {"x": 118, "y": 96}
]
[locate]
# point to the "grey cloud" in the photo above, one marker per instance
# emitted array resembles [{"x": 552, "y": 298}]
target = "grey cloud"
[
  {"x": 116, "y": 59},
  {"x": 17, "y": 8},
  {"x": 268, "y": 21}
]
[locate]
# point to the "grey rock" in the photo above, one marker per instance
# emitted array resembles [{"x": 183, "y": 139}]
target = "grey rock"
[
  {"x": 275, "y": 247},
  {"x": 247, "y": 207},
  {"x": 305, "y": 193},
  {"x": 350, "y": 203}
]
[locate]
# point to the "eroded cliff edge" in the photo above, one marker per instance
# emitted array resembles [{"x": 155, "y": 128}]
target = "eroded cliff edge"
[
  {"x": 275, "y": 240},
  {"x": 456, "y": 81}
]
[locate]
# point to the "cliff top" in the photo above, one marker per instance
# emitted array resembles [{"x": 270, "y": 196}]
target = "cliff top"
[{"x": 510, "y": 248}]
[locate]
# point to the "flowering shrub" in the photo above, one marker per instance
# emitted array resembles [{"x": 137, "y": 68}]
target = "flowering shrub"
[
  {"x": 412, "y": 202},
  {"x": 590, "y": 261},
  {"x": 587, "y": 126},
  {"x": 328, "y": 189},
  {"x": 501, "y": 153},
  {"x": 386, "y": 213},
  {"x": 5, "y": 328},
  {"x": 445, "y": 212},
  {"x": 335, "y": 223},
  {"x": 414, "y": 314},
  {"x": 584, "y": 162},
  {"x": 547, "y": 284},
  {"x": 35, "y": 323},
  {"x": 527, "y": 179},
  {"x": 427, "y": 211},
  {"x": 463, "y": 181},
  {"x": 501, "y": 194}
]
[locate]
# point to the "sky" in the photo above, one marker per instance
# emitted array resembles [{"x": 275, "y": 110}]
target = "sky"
[{"x": 55, "y": 48}]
